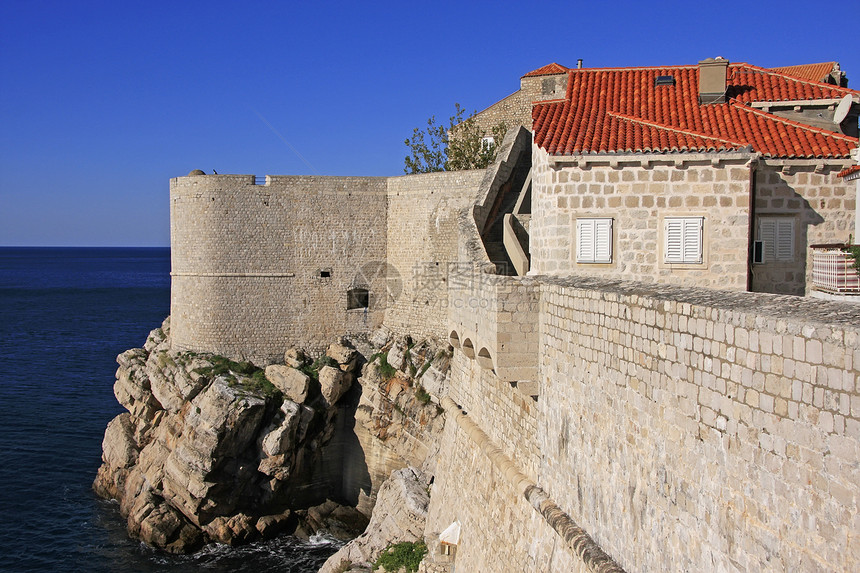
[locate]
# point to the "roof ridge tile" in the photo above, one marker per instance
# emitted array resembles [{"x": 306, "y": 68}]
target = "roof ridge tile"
[
  {"x": 674, "y": 129},
  {"x": 793, "y": 123}
]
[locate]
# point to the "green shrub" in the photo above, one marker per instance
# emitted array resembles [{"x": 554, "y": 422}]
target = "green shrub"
[
  {"x": 406, "y": 554},
  {"x": 854, "y": 250},
  {"x": 313, "y": 370},
  {"x": 387, "y": 370},
  {"x": 421, "y": 394},
  {"x": 253, "y": 378}
]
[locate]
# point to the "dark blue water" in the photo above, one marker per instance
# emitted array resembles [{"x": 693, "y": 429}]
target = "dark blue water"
[{"x": 65, "y": 313}]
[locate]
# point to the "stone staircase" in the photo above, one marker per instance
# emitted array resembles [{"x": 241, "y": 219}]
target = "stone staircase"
[{"x": 504, "y": 186}]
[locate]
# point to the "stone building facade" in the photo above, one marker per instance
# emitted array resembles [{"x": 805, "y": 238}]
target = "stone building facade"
[
  {"x": 546, "y": 83},
  {"x": 692, "y": 175},
  {"x": 638, "y": 199}
]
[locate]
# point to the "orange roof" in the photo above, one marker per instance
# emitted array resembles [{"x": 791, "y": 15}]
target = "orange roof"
[
  {"x": 620, "y": 110},
  {"x": 814, "y": 72},
  {"x": 849, "y": 171},
  {"x": 548, "y": 70}
]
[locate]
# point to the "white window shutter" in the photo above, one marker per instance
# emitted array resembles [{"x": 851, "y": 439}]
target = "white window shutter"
[
  {"x": 777, "y": 234},
  {"x": 584, "y": 240},
  {"x": 767, "y": 235},
  {"x": 684, "y": 239},
  {"x": 602, "y": 240},
  {"x": 594, "y": 240},
  {"x": 785, "y": 239},
  {"x": 693, "y": 240},
  {"x": 674, "y": 240}
]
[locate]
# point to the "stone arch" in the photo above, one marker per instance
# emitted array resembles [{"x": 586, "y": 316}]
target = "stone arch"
[
  {"x": 454, "y": 339},
  {"x": 468, "y": 348},
  {"x": 484, "y": 359}
]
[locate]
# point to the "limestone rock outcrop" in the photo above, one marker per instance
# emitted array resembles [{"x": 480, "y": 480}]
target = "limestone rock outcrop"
[
  {"x": 292, "y": 382},
  {"x": 400, "y": 515},
  {"x": 396, "y": 409},
  {"x": 398, "y": 423},
  {"x": 214, "y": 450}
]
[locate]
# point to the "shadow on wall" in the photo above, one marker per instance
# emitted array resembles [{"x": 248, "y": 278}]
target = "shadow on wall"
[
  {"x": 776, "y": 200},
  {"x": 353, "y": 476}
]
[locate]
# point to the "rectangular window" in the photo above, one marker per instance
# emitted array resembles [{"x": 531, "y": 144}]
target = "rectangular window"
[
  {"x": 777, "y": 237},
  {"x": 684, "y": 239},
  {"x": 357, "y": 298},
  {"x": 594, "y": 240}
]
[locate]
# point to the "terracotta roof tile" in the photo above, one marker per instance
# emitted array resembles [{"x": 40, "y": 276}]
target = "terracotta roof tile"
[
  {"x": 620, "y": 110},
  {"x": 548, "y": 70},
  {"x": 814, "y": 72},
  {"x": 849, "y": 171}
]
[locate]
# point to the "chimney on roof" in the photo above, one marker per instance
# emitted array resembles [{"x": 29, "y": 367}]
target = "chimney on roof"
[
  {"x": 579, "y": 64},
  {"x": 712, "y": 80}
]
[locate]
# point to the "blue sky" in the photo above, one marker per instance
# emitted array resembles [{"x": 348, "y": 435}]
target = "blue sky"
[{"x": 101, "y": 103}]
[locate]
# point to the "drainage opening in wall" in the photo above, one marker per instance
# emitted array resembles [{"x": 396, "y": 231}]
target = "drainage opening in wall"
[
  {"x": 324, "y": 273},
  {"x": 357, "y": 298}
]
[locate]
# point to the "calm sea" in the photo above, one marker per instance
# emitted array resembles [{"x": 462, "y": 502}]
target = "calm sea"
[{"x": 65, "y": 313}]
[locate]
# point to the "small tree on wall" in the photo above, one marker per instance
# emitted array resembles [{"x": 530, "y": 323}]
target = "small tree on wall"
[
  {"x": 460, "y": 145},
  {"x": 854, "y": 251}
]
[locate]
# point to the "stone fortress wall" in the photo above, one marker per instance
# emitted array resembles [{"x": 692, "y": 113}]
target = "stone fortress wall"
[
  {"x": 694, "y": 430},
  {"x": 259, "y": 268},
  {"x": 422, "y": 246},
  {"x": 684, "y": 429}
]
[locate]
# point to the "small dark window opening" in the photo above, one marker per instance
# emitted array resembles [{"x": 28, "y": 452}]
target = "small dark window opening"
[
  {"x": 325, "y": 274},
  {"x": 758, "y": 252},
  {"x": 357, "y": 298},
  {"x": 664, "y": 81}
]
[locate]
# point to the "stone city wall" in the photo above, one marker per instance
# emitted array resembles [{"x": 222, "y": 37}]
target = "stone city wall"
[
  {"x": 638, "y": 197},
  {"x": 500, "y": 530},
  {"x": 699, "y": 430},
  {"x": 259, "y": 268},
  {"x": 422, "y": 246},
  {"x": 821, "y": 206},
  {"x": 508, "y": 416},
  {"x": 514, "y": 110}
]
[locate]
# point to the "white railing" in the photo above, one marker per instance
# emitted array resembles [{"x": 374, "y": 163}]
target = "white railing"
[{"x": 833, "y": 270}]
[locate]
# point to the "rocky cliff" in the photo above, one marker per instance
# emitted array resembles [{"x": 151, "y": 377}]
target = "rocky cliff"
[
  {"x": 216, "y": 450},
  {"x": 212, "y": 450},
  {"x": 398, "y": 414}
]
